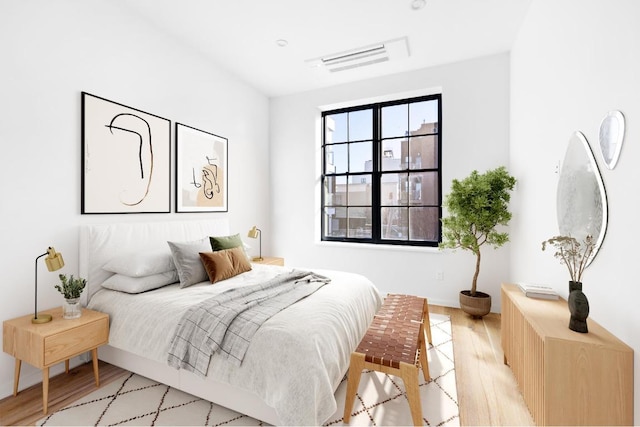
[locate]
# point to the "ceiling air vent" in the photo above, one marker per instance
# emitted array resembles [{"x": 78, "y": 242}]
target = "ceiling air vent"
[{"x": 361, "y": 57}]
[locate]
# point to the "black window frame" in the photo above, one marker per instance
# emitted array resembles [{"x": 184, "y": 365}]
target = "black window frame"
[{"x": 377, "y": 173}]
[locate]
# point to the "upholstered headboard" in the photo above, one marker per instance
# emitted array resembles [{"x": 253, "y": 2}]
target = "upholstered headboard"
[{"x": 100, "y": 243}]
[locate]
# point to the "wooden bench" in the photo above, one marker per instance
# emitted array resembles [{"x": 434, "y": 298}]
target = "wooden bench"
[{"x": 394, "y": 344}]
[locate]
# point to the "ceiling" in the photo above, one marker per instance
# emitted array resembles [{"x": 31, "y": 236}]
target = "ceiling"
[{"x": 241, "y": 35}]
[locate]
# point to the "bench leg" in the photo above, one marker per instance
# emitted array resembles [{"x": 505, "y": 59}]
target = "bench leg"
[
  {"x": 353, "y": 381},
  {"x": 423, "y": 353},
  {"x": 425, "y": 337},
  {"x": 409, "y": 375},
  {"x": 427, "y": 321}
]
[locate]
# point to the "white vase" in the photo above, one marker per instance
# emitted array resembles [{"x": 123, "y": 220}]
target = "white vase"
[{"x": 71, "y": 308}]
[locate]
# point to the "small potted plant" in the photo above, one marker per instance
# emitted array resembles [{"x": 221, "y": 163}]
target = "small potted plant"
[
  {"x": 476, "y": 206},
  {"x": 71, "y": 288},
  {"x": 575, "y": 256}
]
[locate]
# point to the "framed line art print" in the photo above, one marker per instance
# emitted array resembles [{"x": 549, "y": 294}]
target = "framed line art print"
[
  {"x": 126, "y": 159},
  {"x": 201, "y": 171}
]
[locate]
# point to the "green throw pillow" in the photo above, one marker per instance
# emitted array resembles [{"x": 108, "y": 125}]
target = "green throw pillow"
[{"x": 220, "y": 243}]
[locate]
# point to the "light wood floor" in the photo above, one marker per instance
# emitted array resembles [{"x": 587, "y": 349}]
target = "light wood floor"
[{"x": 487, "y": 391}]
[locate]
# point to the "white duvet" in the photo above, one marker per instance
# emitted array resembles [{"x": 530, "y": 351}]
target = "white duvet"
[{"x": 296, "y": 359}]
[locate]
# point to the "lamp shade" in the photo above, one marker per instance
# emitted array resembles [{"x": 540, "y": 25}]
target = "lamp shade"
[
  {"x": 253, "y": 233},
  {"x": 54, "y": 260}
]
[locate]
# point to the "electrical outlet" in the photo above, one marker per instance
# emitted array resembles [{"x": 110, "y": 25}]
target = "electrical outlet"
[{"x": 439, "y": 275}]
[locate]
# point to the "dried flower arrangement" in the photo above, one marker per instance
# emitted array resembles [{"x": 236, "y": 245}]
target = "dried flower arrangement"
[{"x": 573, "y": 254}]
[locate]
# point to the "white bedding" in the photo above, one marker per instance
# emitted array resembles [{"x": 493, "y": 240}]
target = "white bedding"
[{"x": 296, "y": 359}]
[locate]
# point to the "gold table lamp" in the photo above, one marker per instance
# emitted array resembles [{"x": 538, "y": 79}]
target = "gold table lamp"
[
  {"x": 54, "y": 262},
  {"x": 255, "y": 233}
]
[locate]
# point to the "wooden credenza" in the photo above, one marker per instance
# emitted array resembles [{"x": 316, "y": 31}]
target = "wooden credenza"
[{"x": 566, "y": 378}]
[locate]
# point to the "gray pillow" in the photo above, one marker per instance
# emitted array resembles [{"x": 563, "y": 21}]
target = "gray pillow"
[{"x": 186, "y": 257}]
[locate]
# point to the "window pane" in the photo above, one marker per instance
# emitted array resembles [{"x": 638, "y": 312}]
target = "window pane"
[
  {"x": 394, "y": 223},
  {"x": 335, "y": 222},
  {"x": 359, "y": 190},
  {"x": 423, "y": 224},
  {"x": 423, "y": 116},
  {"x": 335, "y": 129},
  {"x": 394, "y": 154},
  {"x": 389, "y": 190},
  {"x": 423, "y": 188},
  {"x": 360, "y": 125},
  {"x": 335, "y": 191},
  {"x": 360, "y": 222},
  {"x": 336, "y": 158},
  {"x": 360, "y": 157},
  {"x": 393, "y": 187},
  {"x": 395, "y": 121},
  {"x": 423, "y": 152}
]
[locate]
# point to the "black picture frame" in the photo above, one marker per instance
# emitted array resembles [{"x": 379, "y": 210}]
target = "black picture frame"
[
  {"x": 126, "y": 159},
  {"x": 202, "y": 172}
]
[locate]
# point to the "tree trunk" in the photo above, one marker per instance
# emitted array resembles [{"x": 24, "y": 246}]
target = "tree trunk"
[{"x": 475, "y": 275}]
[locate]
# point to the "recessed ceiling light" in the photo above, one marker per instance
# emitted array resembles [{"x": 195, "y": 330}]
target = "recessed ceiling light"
[
  {"x": 282, "y": 42},
  {"x": 418, "y": 4}
]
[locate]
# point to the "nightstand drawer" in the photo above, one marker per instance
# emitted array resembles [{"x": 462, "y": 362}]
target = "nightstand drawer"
[{"x": 66, "y": 344}]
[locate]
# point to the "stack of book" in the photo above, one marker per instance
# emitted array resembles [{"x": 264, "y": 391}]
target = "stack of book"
[{"x": 538, "y": 291}]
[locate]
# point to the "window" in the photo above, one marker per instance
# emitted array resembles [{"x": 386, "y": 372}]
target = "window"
[{"x": 381, "y": 180}]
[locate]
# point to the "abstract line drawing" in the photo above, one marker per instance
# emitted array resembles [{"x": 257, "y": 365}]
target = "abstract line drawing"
[
  {"x": 126, "y": 159},
  {"x": 142, "y": 141},
  {"x": 201, "y": 170}
]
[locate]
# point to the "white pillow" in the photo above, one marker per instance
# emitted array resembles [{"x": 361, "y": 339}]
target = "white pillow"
[
  {"x": 135, "y": 285},
  {"x": 186, "y": 257},
  {"x": 141, "y": 264}
]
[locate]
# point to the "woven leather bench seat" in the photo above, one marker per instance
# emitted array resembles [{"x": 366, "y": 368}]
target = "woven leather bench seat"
[
  {"x": 390, "y": 341},
  {"x": 394, "y": 344},
  {"x": 403, "y": 307}
]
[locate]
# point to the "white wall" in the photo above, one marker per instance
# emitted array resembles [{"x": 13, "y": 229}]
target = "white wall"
[
  {"x": 475, "y": 110},
  {"x": 573, "y": 62},
  {"x": 51, "y": 51}
]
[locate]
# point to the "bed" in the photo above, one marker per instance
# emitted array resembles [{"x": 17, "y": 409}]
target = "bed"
[{"x": 295, "y": 360}]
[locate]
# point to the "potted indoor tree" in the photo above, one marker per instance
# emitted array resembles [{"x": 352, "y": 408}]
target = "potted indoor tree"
[{"x": 476, "y": 206}]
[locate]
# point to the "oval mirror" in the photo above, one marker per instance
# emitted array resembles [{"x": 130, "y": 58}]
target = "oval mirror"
[
  {"x": 611, "y": 137},
  {"x": 581, "y": 199}
]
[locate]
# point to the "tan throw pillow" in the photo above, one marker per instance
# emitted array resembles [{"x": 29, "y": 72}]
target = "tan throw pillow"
[{"x": 225, "y": 264}]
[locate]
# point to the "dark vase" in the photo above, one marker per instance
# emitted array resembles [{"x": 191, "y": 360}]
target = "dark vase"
[{"x": 578, "y": 307}]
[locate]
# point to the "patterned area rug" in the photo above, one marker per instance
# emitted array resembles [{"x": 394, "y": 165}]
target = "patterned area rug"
[{"x": 381, "y": 399}]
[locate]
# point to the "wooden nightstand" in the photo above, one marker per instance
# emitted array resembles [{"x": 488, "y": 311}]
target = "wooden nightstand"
[
  {"x": 43, "y": 345},
  {"x": 271, "y": 260}
]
